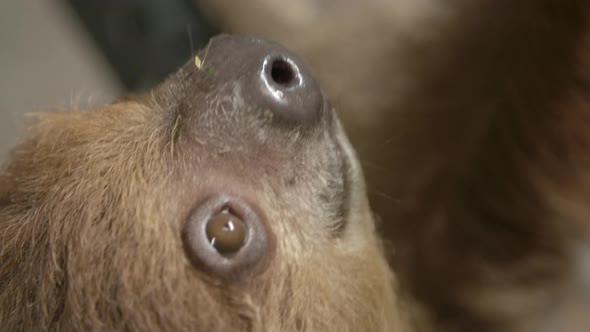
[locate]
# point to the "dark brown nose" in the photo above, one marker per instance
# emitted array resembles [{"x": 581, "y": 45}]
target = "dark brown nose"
[{"x": 275, "y": 80}]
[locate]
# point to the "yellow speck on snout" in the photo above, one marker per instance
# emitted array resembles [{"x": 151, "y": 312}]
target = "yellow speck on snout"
[{"x": 198, "y": 62}]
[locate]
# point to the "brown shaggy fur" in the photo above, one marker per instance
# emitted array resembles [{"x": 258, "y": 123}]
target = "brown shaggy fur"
[
  {"x": 487, "y": 160},
  {"x": 92, "y": 204}
]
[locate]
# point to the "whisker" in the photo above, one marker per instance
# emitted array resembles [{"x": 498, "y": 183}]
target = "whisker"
[
  {"x": 189, "y": 32},
  {"x": 371, "y": 165},
  {"x": 386, "y": 196},
  {"x": 206, "y": 52}
]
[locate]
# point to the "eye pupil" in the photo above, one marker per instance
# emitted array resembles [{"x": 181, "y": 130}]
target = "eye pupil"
[
  {"x": 226, "y": 233},
  {"x": 229, "y": 226}
]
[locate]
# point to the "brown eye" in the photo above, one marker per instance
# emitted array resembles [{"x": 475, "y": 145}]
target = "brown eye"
[
  {"x": 227, "y": 236},
  {"x": 226, "y": 233}
]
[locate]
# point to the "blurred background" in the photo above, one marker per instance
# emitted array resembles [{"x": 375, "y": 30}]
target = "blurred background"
[{"x": 58, "y": 54}]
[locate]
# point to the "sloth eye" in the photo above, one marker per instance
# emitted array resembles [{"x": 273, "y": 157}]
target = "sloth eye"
[
  {"x": 226, "y": 233},
  {"x": 227, "y": 236}
]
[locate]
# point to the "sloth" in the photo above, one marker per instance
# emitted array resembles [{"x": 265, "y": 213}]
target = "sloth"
[
  {"x": 476, "y": 152},
  {"x": 226, "y": 199},
  {"x": 229, "y": 198}
]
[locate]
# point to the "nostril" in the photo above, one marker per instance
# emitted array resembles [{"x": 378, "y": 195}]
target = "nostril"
[
  {"x": 275, "y": 83},
  {"x": 283, "y": 73},
  {"x": 289, "y": 91}
]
